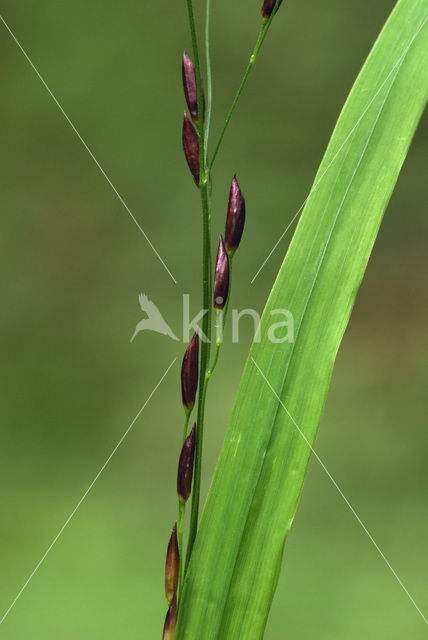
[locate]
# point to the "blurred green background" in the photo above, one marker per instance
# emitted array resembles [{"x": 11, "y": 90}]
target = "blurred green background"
[{"x": 73, "y": 264}]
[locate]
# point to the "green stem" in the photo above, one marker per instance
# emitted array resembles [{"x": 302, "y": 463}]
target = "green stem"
[
  {"x": 206, "y": 278},
  {"x": 204, "y": 362},
  {"x": 186, "y": 426},
  {"x": 263, "y": 31},
  {"x": 216, "y": 355}
]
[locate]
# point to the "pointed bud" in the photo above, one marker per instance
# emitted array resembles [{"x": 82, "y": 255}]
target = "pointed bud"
[
  {"x": 268, "y": 7},
  {"x": 191, "y": 147},
  {"x": 185, "y": 466},
  {"x": 170, "y": 620},
  {"x": 172, "y": 566},
  {"x": 190, "y": 87},
  {"x": 189, "y": 373},
  {"x": 221, "y": 279},
  {"x": 235, "y": 219}
]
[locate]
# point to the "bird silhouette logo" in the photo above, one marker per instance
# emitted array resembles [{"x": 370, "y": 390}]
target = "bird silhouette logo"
[{"x": 154, "y": 320}]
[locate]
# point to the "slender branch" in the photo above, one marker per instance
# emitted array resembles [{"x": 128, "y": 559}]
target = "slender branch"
[
  {"x": 220, "y": 316},
  {"x": 262, "y": 35},
  {"x": 186, "y": 427},
  {"x": 209, "y": 79}
]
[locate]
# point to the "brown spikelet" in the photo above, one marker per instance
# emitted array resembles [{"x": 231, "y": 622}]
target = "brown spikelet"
[
  {"x": 172, "y": 565},
  {"x": 189, "y": 373},
  {"x": 170, "y": 620},
  {"x": 235, "y": 219},
  {"x": 268, "y": 7},
  {"x": 185, "y": 466},
  {"x": 221, "y": 279},
  {"x": 190, "y": 87},
  {"x": 191, "y": 148}
]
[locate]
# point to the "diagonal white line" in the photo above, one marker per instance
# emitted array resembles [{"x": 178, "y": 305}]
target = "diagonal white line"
[
  {"x": 342, "y": 495},
  {"x": 316, "y": 185},
  {"x": 42, "y": 559},
  {"x": 119, "y": 197}
]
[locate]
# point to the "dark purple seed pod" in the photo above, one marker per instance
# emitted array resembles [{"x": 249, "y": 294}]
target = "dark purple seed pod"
[
  {"x": 268, "y": 7},
  {"x": 190, "y": 373},
  {"x": 190, "y": 87},
  {"x": 185, "y": 466},
  {"x": 235, "y": 219},
  {"x": 191, "y": 148},
  {"x": 170, "y": 620},
  {"x": 172, "y": 565},
  {"x": 221, "y": 279}
]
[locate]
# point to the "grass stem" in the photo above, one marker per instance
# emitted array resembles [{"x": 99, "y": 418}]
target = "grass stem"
[
  {"x": 206, "y": 272},
  {"x": 205, "y": 348}
]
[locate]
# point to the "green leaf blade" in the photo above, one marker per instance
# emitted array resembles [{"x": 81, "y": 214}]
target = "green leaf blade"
[{"x": 253, "y": 499}]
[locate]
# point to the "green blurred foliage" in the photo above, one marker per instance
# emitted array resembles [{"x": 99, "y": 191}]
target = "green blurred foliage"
[{"x": 73, "y": 264}]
